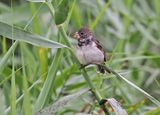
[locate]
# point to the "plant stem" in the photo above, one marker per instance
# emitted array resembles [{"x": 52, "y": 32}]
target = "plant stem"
[
  {"x": 49, "y": 4},
  {"x": 154, "y": 100},
  {"x": 94, "y": 91},
  {"x": 64, "y": 35}
]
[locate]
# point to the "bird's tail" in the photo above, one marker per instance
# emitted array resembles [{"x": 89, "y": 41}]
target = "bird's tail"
[{"x": 102, "y": 69}]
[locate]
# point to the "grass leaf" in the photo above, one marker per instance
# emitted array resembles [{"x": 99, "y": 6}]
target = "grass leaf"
[
  {"x": 28, "y": 37},
  {"x": 153, "y": 112},
  {"x": 27, "y": 108},
  {"x": 61, "y": 103},
  {"x": 36, "y": 0},
  {"x": 5, "y": 58},
  {"x": 95, "y": 22},
  {"x": 61, "y": 12},
  {"x": 13, "y": 87},
  {"x": 48, "y": 83},
  {"x": 155, "y": 101}
]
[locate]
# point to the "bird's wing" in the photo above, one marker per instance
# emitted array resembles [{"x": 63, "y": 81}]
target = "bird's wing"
[{"x": 99, "y": 46}]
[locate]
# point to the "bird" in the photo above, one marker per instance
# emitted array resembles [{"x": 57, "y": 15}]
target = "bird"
[{"x": 89, "y": 50}]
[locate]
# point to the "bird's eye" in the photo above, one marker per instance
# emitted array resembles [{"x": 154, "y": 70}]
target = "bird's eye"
[{"x": 81, "y": 33}]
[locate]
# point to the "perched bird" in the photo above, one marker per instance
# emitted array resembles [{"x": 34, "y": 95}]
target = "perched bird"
[{"x": 89, "y": 49}]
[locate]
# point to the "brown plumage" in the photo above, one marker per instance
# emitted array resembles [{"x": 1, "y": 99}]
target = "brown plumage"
[{"x": 89, "y": 50}]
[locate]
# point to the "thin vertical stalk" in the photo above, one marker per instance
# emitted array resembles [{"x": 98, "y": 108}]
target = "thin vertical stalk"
[
  {"x": 13, "y": 89},
  {"x": 4, "y": 45},
  {"x": 13, "y": 82},
  {"x": 151, "y": 98},
  {"x": 94, "y": 91}
]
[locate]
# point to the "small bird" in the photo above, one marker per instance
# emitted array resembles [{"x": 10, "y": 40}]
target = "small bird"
[{"x": 89, "y": 50}]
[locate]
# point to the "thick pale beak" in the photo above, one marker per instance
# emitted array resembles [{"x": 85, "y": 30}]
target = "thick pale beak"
[{"x": 76, "y": 35}]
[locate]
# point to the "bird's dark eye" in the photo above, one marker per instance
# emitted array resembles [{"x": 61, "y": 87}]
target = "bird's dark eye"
[{"x": 81, "y": 33}]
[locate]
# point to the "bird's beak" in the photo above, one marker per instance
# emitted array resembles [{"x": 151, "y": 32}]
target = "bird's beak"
[{"x": 76, "y": 35}]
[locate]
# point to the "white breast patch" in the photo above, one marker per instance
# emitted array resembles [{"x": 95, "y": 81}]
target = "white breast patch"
[{"x": 90, "y": 54}]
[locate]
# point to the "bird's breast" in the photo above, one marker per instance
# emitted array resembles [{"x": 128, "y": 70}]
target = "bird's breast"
[{"x": 89, "y": 54}]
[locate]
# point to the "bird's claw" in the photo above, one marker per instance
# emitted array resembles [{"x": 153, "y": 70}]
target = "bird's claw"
[
  {"x": 102, "y": 101},
  {"x": 82, "y": 66}
]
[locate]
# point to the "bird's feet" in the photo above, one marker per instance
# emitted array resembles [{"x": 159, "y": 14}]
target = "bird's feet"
[
  {"x": 82, "y": 66},
  {"x": 103, "y": 101}
]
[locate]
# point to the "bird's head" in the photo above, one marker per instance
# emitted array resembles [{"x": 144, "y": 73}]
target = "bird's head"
[{"x": 83, "y": 34}]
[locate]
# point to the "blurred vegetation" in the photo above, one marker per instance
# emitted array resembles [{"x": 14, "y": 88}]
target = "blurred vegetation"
[{"x": 38, "y": 69}]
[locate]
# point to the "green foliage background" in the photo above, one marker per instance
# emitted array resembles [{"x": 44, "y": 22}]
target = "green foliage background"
[{"x": 38, "y": 67}]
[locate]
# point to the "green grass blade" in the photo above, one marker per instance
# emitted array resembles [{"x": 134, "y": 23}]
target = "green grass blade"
[
  {"x": 13, "y": 94},
  {"x": 36, "y": 0},
  {"x": 28, "y": 37},
  {"x": 13, "y": 87},
  {"x": 4, "y": 47},
  {"x": 70, "y": 14},
  {"x": 5, "y": 58},
  {"x": 51, "y": 8},
  {"x": 4, "y": 7},
  {"x": 61, "y": 12},
  {"x": 153, "y": 112},
  {"x": 35, "y": 21},
  {"x": 26, "y": 101},
  {"x": 3, "y": 61},
  {"x": 133, "y": 58},
  {"x": 21, "y": 97},
  {"x": 48, "y": 83},
  {"x": 155, "y": 101},
  {"x": 61, "y": 103},
  {"x": 95, "y": 22},
  {"x": 146, "y": 34}
]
